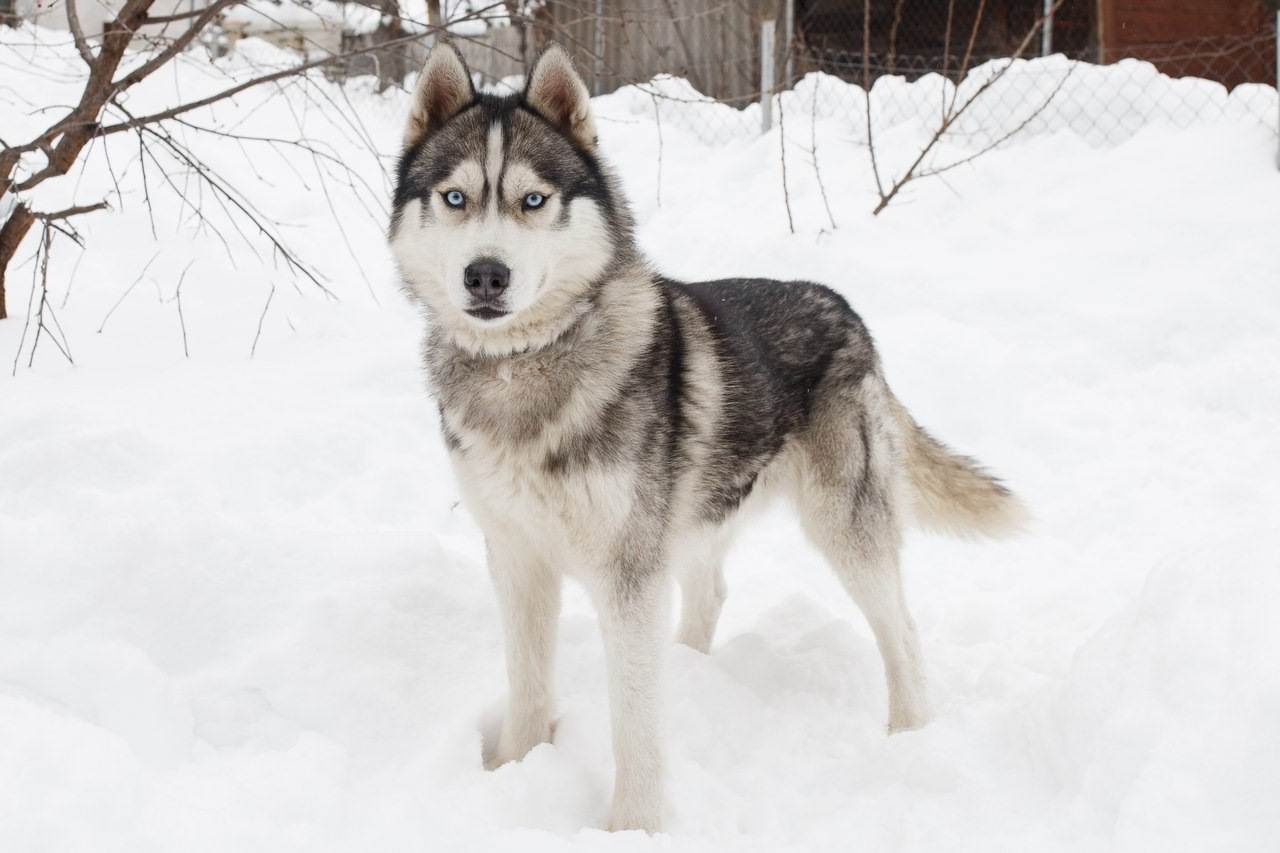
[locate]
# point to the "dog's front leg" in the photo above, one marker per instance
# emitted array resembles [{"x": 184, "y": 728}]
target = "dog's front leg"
[
  {"x": 529, "y": 596},
  {"x": 631, "y": 619}
]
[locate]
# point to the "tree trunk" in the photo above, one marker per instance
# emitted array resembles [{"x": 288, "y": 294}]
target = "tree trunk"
[
  {"x": 17, "y": 226},
  {"x": 73, "y": 131}
]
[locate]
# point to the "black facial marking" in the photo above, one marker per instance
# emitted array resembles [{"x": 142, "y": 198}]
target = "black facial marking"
[{"x": 528, "y": 138}]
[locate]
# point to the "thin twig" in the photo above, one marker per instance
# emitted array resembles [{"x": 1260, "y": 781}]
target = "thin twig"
[
  {"x": 933, "y": 172},
  {"x": 813, "y": 152},
  {"x": 953, "y": 113},
  {"x": 170, "y": 19},
  {"x": 893, "y": 36},
  {"x": 225, "y": 191},
  {"x": 72, "y": 280},
  {"x": 26, "y": 324},
  {"x": 69, "y": 212},
  {"x": 782, "y": 152},
  {"x": 146, "y": 188},
  {"x": 866, "y": 91},
  {"x": 77, "y": 33},
  {"x": 968, "y": 51},
  {"x": 182, "y": 321},
  {"x": 258, "y": 81},
  {"x": 253, "y": 349},
  {"x": 128, "y": 290},
  {"x": 946, "y": 54}
]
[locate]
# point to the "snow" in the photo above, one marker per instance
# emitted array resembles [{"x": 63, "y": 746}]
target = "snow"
[
  {"x": 1104, "y": 105},
  {"x": 465, "y": 17},
  {"x": 266, "y": 16},
  {"x": 243, "y": 609}
]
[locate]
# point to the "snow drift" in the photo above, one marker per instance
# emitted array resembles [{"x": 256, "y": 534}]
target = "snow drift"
[{"x": 243, "y": 610}]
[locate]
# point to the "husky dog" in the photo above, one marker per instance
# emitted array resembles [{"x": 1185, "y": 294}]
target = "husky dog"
[{"x": 610, "y": 424}]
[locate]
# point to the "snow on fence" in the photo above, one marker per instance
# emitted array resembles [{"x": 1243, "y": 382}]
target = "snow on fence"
[
  {"x": 717, "y": 79},
  {"x": 1103, "y": 104},
  {"x": 1067, "y": 72}
]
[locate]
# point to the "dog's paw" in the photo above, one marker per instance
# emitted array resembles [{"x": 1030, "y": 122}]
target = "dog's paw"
[
  {"x": 908, "y": 705},
  {"x": 907, "y": 719},
  {"x": 514, "y": 744}
]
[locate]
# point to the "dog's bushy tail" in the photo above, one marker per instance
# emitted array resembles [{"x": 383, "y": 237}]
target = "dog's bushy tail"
[{"x": 951, "y": 493}]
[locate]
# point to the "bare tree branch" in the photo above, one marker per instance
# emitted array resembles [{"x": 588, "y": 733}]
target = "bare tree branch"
[
  {"x": 954, "y": 113},
  {"x": 77, "y": 33},
  {"x": 64, "y": 141},
  {"x": 182, "y": 321},
  {"x": 174, "y": 47},
  {"x": 931, "y": 172},
  {"x": 782, "y": 153},
  {"x": 258, "y": 334},
  {"x": 893, "y": 37},
  {"x": 292, "y": 71},
  {"x": 866, "y": 91},
  {"x": 973, "y": 37},
  {"x": 67, "y": 213},
  {"x": 173, "y": 19},
  {"x": 813, "y": 153},
  {"x": 127, "y": 291}
]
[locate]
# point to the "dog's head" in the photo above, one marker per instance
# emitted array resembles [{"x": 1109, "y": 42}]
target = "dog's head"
[{"x": 504, "y": 217}]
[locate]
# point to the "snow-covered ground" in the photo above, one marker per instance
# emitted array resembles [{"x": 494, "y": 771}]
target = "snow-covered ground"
[{"x": 242, "y": 609}]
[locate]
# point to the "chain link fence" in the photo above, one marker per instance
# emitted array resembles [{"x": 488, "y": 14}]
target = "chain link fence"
[
  {"x": 1084, "y": 65},
  {"x": 724, "y": 70}
]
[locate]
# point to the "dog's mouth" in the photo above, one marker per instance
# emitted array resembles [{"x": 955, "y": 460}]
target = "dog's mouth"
[{"x": 486, "y": 312}]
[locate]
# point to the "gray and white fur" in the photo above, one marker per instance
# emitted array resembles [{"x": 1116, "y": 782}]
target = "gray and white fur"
[{"x": 610, "y": 424}]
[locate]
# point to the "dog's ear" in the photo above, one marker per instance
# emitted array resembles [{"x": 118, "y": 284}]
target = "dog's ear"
[
  {"x": 557, "y": 93},
  {"x": 444, "y": 89}
]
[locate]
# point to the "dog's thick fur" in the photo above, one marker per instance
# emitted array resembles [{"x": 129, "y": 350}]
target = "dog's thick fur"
[{"x": 610, "y": 424}]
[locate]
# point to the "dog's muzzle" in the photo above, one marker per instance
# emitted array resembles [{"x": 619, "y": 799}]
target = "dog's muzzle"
[{"x": 486, "y": 280}]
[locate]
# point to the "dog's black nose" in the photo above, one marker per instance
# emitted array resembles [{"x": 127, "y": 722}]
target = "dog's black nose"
[{"x": 486, "y": 279}]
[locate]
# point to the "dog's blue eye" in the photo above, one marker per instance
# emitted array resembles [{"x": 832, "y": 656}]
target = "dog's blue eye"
[
  {"x": 533, "y": 201},
  {"x": 454, "y": 198}
]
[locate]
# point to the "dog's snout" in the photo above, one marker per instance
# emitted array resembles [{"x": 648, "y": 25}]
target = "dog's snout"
[{"x": 486, "y": 279}]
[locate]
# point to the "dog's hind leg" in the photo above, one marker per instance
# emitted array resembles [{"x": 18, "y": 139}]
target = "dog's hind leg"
[
  {"x": 848, "y": 509},
  {"x": 700, "y": 568},
  {"x": 870, "y": 574},
  {"x": 528, "y": 594}
]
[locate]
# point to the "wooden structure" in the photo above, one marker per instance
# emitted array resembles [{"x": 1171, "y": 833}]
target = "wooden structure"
[
  {"x": 715, "y": 44},
  {"x": 1230, "y": 41}
]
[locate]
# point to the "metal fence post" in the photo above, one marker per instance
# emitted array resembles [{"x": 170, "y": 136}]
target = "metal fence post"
[
  {"x": 1046, "y": 29},
  {"x": 597, "y": 66},
  {"x": 766, "y": 74},
  {"x": 789, "y": 37}
]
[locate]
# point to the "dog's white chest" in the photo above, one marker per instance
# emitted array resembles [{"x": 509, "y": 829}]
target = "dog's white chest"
[{"x": 569, "y": 516}]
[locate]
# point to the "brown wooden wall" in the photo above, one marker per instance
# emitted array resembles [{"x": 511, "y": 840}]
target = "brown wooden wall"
[
  {"x": 715, "y": 43},
  {"x": 1231, "y": 41},
  {"x": 712, "y": 43}
]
